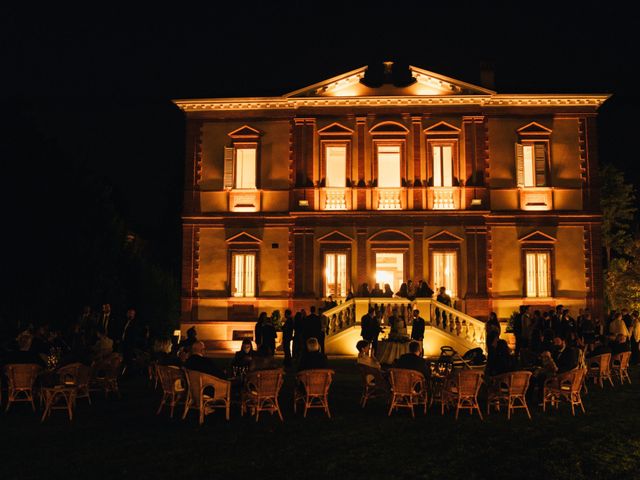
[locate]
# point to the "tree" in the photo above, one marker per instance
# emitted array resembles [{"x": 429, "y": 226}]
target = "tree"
[
  {"x": 622, "y": 281},
  {"x": 618, "y": 211}
]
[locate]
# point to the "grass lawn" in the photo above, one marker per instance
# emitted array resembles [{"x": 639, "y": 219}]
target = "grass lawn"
[{"x": 125, "y": 439}]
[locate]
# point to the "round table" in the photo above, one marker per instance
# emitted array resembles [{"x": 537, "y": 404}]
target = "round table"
[{"x": 389, "y": 350}]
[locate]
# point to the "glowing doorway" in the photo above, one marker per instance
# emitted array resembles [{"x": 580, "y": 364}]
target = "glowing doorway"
[{"x": 390, "y": 269}]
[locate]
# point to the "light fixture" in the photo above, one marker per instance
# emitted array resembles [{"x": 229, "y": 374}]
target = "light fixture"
[
  {"x": 476, "y": 201},
  {"x": 303, "y": 203}
]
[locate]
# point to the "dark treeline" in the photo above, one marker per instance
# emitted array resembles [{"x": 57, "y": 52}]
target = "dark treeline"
[{"x": 65, "y": 241}]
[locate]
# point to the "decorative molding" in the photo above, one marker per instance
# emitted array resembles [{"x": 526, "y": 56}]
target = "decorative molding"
[
  {"x": 390, "y": 236},
  {"x": 537, "y": 237},
  {"x": 335, "y": 237},
  {"x": 442, "y": 128},
  {"x": 445, "y": 236},
  {"x": 245, "y": 132},
  {"x": 535, "y": 129},
  {"x": 243, "y": 237},
  {"x": 335, "y": 129},
  {"x": 388, "y": 128}
]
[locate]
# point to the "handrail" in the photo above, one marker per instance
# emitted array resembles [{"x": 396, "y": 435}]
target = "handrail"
[{"x": 457, "y": 323}]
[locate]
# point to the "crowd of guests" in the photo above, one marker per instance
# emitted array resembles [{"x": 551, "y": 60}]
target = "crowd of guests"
[
  {"x": 92, "y": 336},
  {"x": 409, "y": 289}
]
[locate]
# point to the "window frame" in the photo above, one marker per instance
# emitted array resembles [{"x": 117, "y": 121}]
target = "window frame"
[
  {"x": 324, "y": 144},
  {"x": 245, "y": 146},
  {"x": 243, "y": 250},
  {"x": 455, "y": 163},
  {"x": 336, "y": 250},
  {"x": 445, "y": 248},
  {"x": 399, "y": 142},
  {"x": 550, "y": 251}
]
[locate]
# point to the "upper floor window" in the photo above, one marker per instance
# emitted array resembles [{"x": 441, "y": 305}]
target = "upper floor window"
[
  {"x": 243, "y": 274},
  {"x": 442, "y": 165},
  {"x": 245, "y": 167},
  {"x": 388, "y": 165},
  {"x": 532, "y": 155},
  {"x": 336, "y": 165},
  {"x": 241, "y": 160}
]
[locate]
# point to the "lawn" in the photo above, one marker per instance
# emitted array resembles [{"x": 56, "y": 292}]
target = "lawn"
[{"x": 125, "y": 439}]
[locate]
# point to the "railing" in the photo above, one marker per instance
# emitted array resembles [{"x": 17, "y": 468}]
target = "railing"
[
  {"x": 456, "y": 322},
  {"x": 436, "y": 314},
  {"x": 443, "y": 198},
  {"x": 389, "y": 199},
  {"x": 335, "y": 199}
]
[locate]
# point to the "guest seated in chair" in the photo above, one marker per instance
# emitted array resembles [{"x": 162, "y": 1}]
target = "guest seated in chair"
[
  {"x": 501, "y": 360},
  {"x": 24, "y": 354},
  {"x": 312, "y": 357},
  {"x": 243, "y": 357},
  {"x": 565, "y": 357},
  {"x": 413, "y": 360},
  {"x": 620, "y": 345},
  {"x": 365, "y": 357},
  {"x": 197, "y": 361}
]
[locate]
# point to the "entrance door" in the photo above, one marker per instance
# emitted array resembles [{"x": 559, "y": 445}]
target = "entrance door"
[{"x": 390, "y": 269}]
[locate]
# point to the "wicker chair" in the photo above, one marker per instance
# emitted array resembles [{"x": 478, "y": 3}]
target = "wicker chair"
[
  {"x": 461, "y": 391},
  {"x": 78, "y": 376},
  {"x": 59, "y": 397},
  {"x": 205, "y": 402},
  {"x": 260, "y": 392},
  {"x": 21, "y": 378},
  {"x": 599, "y": 368},
  {"x": 105, "y": 374},
  {"x": 373, "y": 383},
  {"x": 313, "y": 389},
  {"x": 408, "y": 388},
  {"x": 620, "y": 366},
  {"x": 508, "y": 388},
  {"x": 174, "y": 387},
  {"x": 565, "y": 386}
]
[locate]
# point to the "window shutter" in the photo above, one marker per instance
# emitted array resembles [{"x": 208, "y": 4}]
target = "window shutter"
[
  {"x": 541, "y": 164},
  {"x": 228, "y": 167},
  {"x": 520, "y": 165}
]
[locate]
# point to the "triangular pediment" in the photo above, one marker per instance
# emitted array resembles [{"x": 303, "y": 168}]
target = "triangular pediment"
[
  {"x": 335, "y": 237},
  {"x": 442, "y": 128},
  {"x": 335, "y": 129},
  {"x": 537, "y": 237},
  {"x": 390, "y": 236},
  {"x": 445, "y": 237},
  {"x": 425, "y": 83},
  {"x": 243, "y": 237},
  {"x": 534, "y": 128},
  {"x": 245, "y": 131}
]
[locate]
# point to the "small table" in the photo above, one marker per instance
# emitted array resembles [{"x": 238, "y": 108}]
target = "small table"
[{"x": 389, "y": 350}]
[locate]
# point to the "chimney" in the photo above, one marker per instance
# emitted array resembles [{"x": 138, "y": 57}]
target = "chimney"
[
  {"x": 388, "y": 72},
  {"x": 488, "y": 75}
]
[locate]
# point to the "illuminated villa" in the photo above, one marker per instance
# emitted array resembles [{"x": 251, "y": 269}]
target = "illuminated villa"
[{"x": 294, "y": 198}]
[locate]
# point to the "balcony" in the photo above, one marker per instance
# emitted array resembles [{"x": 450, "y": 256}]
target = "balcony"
[
  {"x": 244, "y": 200},
  {"x": 335, "y": 199},
  {"x": 390, "y": 198},
  {"x": 444, "y": 198},
  {"x": 536, "y": 198}
]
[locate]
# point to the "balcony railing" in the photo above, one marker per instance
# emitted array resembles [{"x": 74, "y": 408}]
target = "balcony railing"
[
  {"x": 389, "y": 199},
  {"x": 444, "y": 198},
  {"x": 335, "y": 199}
]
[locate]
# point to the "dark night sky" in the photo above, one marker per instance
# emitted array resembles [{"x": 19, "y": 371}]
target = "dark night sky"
[{"x": 98, "y": 81}]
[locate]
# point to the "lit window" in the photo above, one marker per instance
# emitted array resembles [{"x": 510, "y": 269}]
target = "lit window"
[
  {"x": 442, "y": 166},
  {"x": 389, "y": 166},
  {"x": 245, "y": 168},
  {"x": 445, "y": 268},
  {"x": 244, "y": 274},
  {"x": 336, "y": 161},
  {"x": 532, "y": 164},
  {"x": 537, "y": 264},
  {"x": 335, "y": 274}
]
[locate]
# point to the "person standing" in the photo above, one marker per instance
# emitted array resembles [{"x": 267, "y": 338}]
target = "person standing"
[
  {"x": 287, "y": 337},
  {"x": 313, "y": 328},
  {"x": 417, "y": 331},
  {"x": 370, "y": 328},
  {"x": 258, "y": 328},
  {"x": 105, "y": 320},
  {"x": 268, "y": 335}
]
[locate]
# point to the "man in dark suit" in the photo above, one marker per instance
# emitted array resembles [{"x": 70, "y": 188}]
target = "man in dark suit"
[
  {"x": 417, "y": 330},
  {"x": 198, "y": 362},
  {"x": 413, "y": 360},
  {"x": 370, "y": 328},
  {"x": 313, "y": 327},
  {"x": 312, "y": 358},
  {"x": 565, "y": 357}
]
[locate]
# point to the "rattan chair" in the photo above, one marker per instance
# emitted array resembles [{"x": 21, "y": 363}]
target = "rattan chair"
[
  {"x": 260, "y": 392},
  {"x": 620, "y": 366},
  {"x": 21, "y": 378},
  {"x": 565, "y": 386},
  {"x": 313, "y": 389},
  {"x": 461, "y": 391},
  {"x": 408, "y": 388},
  {"x": 174, "y": 387},
  {"x": 79, "y": 376},
  {"x": 201, "y": 398},
  {"x": 599, "y": 368},
  {"x": 509, "y": 389},
  {"x": 59, "y": 397},
  {"x": 373, "y": 383},
  {"x": 105, "y": 374}
]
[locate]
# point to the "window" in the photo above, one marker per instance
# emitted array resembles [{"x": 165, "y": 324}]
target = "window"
[
  {"x": 240, "y": 167},
  {"x": 538, "y": 274},
  {"x": 335, "y": 274},
  {"x": 388, "y": 166},
  {"x": 442, "y": 165},
  {"x": 532, "y": 164},
  {"x": 243, "y": 274},
  {"x": 336, "y": 164},
  {"x": 445, "y": 268}
]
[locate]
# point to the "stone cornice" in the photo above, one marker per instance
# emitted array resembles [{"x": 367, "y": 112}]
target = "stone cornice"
[{"x": 498, "y": 100}]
